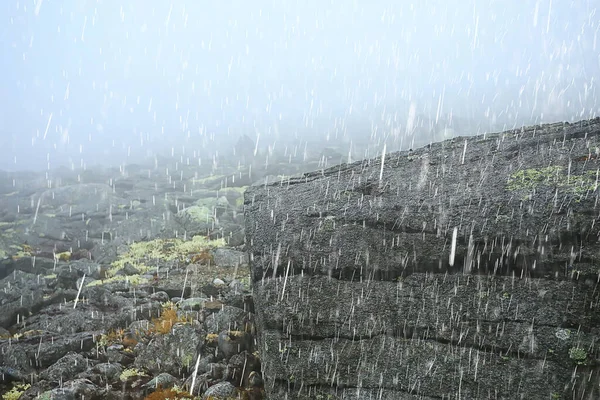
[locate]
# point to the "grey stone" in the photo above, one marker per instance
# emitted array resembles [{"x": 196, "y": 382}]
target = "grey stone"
[
  {"x": 172, "y": 353},
  {"x": 225, "y": 257},
  {"x": 227, "y": 318},
  {"x": 220, "y": 391},
  {"x": 66, "y": 368},
  {"x": 454, "y": 268}
]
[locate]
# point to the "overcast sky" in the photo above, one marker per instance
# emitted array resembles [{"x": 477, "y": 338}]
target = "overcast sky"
[{"x": 85, "y": 79}]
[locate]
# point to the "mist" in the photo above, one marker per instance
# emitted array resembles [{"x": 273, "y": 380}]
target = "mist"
[{"x": 112, "y": 82}]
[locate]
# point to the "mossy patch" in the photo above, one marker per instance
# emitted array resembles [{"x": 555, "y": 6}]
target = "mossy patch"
[
  {"x": 211, "y": 338},
  {"x": 578, "y": 355},
  {"x": 198, "y": 213},
  {"x": 22, "y": 251},
  {"x": 327, "y": 224},
  {"x": 167, "y": 319},
  {"x": 133, "y": 280},
  {"x": 64, "y": 256},
  {"x": 235, "y": 191},
  {"x": 160, "y": 250},
  {"x": 174, "y": 393},
  {"x": 113, "y": 336},
  {"x": 16, "y": 391},
  {"x": 131, "y": 373},
  {"x": 553, "y": 176}
]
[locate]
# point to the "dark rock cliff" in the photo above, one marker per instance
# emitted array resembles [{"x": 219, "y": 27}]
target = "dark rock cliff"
[{"x": 467, "y": 269}]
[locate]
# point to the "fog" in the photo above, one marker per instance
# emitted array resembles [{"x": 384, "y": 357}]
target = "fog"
[{"x": 109, "y": 82}]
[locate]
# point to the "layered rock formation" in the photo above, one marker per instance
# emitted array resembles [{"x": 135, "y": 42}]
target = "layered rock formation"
[{"x": 467, "y": 269}]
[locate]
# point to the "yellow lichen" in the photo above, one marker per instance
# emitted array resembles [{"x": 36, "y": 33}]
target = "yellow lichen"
[
  {"x": 63, "y": 256},
  {"x": 159, "y": 250},
  {"x": 211, "y": 337},
  {"x": 134, "y": 280},
  {"x": 16, "y": 391},
  {"x": 198, "y": 213},
  {"x": 113, "y": 336},
  {"x": 22, "y": 251},
  {"x": 130, "y": 373}
]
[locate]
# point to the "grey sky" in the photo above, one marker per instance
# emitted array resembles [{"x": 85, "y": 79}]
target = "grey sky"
[{"x": 88, "y": 80}]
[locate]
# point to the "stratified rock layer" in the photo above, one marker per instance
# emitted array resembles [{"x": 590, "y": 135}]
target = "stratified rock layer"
[{"x": 465, "y": 269}]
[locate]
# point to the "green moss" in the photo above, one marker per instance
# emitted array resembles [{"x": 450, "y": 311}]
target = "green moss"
[
  {"x": 199, "y": 213},
  {"x": 186, "y": 360},
  {"x": 577, "y": 354},
  {"x": 245, "y": 281},
  {"x": 529, "y": 179},
  {"x": 140, "y": 253},
  {"x": 328, "y": 224},
  {"x": 533, "y": 177}
]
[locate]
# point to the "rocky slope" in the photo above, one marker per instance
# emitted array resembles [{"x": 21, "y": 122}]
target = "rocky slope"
[
  {"x": 131, "y": 282},
  {"x": 464, "y": 269},
  {"x": 126, "y": 283}
]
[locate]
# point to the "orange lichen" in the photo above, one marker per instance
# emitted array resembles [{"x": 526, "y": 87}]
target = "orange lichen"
[
  {"x": 589, "y": 157},
  {"x": 164, "y": 323},
  {"x": 203, "y": 258},
  {"x": 112, "y": 336},
  {"x": 212, "y": 338},
  {"x": 168, "y": 394},
  {"x": 129, "y": 341},
  {"x": 119, "y": 335}
]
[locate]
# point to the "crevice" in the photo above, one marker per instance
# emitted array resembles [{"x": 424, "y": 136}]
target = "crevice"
[
  {"x": 422, "y": 335},
  {"x": 334, "y": 389},
  {"x": 494, "y": 265}
]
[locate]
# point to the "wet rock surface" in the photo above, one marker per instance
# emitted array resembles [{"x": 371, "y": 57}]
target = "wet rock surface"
[
  {"x": 134, "y": 282},
  {"x": 464, "y": 269}
]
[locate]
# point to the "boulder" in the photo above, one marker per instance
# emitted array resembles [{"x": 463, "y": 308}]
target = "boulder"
[{"x": 467, "y": 268}]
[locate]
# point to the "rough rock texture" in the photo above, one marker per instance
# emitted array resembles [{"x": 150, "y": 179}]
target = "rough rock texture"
[{"x": 467, "y": 269}]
